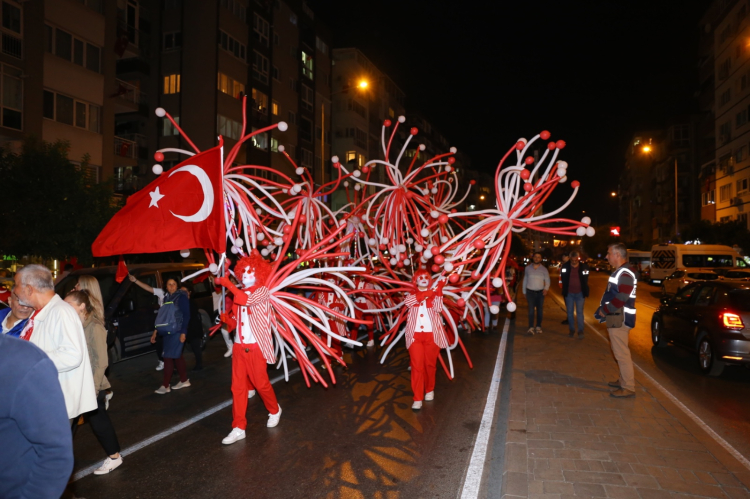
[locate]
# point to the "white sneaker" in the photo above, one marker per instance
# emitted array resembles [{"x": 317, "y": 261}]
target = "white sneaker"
[
  {"x": 181, "y": 385},
  {"x": 250, "y": 394},
  {"x": 107, "y": 398},
  {"x": 417, "y": 405},
  {"x": 234, "y": 435},
  {"x": 371, "y": 343},
  {"x": 429, "y": 396},
  {"x": 228, "y": 354},
  {"x": 160, "y": 365},
  {"x": 530, "y": 332},
  {"x": 162, "y": 390},
  {"x": 273, "y": 419},
  {"x": 538, "y": 330},
  {"x": 109, "y": 465}
]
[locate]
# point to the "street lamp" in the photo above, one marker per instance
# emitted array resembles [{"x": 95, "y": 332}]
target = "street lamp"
[{"x": 613, "y": 194}]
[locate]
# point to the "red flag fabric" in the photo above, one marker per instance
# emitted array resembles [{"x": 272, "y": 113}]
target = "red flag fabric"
[
  {"x": 181, "y": 209},
  {"x": 122, "y": 270}
]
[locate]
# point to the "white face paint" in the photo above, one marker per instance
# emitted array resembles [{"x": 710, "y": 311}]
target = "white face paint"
[
  {"x": 423, "y": 281},
  {"x": 248, "y": 277}
]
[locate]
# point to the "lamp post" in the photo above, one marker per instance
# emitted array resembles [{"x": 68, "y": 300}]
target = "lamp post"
[{"x": 361, "y": 85}]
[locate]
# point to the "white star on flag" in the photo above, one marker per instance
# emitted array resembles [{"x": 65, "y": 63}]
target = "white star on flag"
[{"x": 155, "y": 197}]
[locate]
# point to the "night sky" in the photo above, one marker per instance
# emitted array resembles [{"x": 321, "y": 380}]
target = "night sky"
[{"x": 487, "y": 73}]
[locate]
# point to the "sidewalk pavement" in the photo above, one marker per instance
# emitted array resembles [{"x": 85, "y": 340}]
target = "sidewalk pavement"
[{"x": 566, "y": 437}]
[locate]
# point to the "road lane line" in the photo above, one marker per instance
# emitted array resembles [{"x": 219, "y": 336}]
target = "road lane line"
[
  {"x": 160, "y": 436},
  {"x": 474, "y": 473},
  {"x": 696, "y": 419}
]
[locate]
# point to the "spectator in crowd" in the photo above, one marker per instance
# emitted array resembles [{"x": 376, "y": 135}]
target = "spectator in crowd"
[
  {"x": 174, "y": 333},
  {"x": 535, "y": 288},
  {"x": 194, "y": 329},
  {"x": 159, "y": 293},
  {"x": 57, "y": 330},
  {"x": 14, "y": 318},
  {"x": 96, "y": 340},
  {"x": 575, "y": 289},
  {"x": 565, "y": 258},
  {"x": 617, "y": 310},
  {"x": 36, "y": 456}
]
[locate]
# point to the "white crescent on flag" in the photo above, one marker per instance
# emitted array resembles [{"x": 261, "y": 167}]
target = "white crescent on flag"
[{"x": 208, "y": 194}]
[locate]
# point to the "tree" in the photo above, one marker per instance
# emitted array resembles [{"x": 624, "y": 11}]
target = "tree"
[
  {"x": 50, "y": 207},
  {"x": 727, "y": 233}
]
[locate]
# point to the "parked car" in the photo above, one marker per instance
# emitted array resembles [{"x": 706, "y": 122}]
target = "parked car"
[
  {"x": 600, "y": 266},
  {"x": 130, "y": 311},
  {"x": 682, "y": 277},
  {"x": 709, "y": 318},
  {"x": 736, "y": 275}
]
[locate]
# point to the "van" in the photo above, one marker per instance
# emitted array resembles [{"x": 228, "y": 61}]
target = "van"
[
  {"x": 130, "y": 312},
  {"x": 640, "y": 260},
  {"x": 665, "y": 258}
]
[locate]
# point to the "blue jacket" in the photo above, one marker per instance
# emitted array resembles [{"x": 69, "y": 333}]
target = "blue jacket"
[
  {"x": 36, "y": 457},
  {"x": 15, "y": 330},
  {"x": 172, "y": 345}
]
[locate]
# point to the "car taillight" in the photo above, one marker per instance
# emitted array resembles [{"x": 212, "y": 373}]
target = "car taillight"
[{"x": 732, "y": 321}]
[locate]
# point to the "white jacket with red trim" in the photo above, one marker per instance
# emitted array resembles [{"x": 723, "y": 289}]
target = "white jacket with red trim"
[
  {"x": 259, "y": 313},
  {"x": 433, "y": 314}
]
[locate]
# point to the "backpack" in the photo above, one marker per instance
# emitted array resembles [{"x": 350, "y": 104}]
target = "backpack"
[{"x": 169, "y": 318}]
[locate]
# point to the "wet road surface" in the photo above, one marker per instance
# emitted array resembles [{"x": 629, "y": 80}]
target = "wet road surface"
[
  {"x": 722, "y": 402},
  {"x": 358, "y": 438}
]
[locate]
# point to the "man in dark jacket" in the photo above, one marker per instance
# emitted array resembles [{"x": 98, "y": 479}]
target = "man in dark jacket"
[
  {"x": 574, "y": 275},
  {"x": 36, "y": 457}
]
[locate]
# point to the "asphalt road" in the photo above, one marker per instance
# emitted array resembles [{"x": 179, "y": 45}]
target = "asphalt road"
[
  {"x": 358, "y": 438},
  {"x": 722, "y": 402}
]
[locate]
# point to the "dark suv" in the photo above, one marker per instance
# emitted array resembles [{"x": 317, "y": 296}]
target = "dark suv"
[
  {"x": 710, "y": 318},
  {"x": 130, "y": 311}
]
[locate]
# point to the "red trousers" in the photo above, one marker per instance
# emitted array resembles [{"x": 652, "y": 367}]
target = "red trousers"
[
  {"x": 423, "y": 353},
  {"x": 249, "y": 373},
  {"x": 354, "y": 332}
]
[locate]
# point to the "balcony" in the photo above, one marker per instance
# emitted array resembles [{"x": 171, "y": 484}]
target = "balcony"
[
  {"x": 128, "y": 97},
  {"x": 125, "y": 148},
  {"x": 12, "y": 45}
]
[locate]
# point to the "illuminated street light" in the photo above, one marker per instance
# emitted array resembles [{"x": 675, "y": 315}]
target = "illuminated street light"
[
  {"x": 613, "y": 194},
  {"x": 362, "y": 84},
  {"x": 481, "y": 198},
  {"x": 646, "y": 149}
]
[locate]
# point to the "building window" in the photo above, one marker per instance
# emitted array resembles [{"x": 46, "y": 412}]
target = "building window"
[
  {"x": 724, "y": 68},
  {"x": 12, "y": 103},
  {"x": 63, "y": 109},
  {"x": 172, "y": 40},
  {"x": 232, "y": 46},
  {"x": 307, "y": 97},
  {"x": 351, "y": 156},
  {"x": 274, "y": 144},
  {"x": 708, "y": 198},
  {"x": 11, "y": 17},
  {"x": 228, "y": 127},
  {"x": 305, "y": 129},
  {"x": 740, "y": 118},
  {"x": 725, "y": 192},
  {"x": 321, "y": 46},
  {"x": 293, "y": 18},
  {"x": 740, "y": 154},
  {"x": 63, "y": 41},
  {"x": 72, "y": 49},
  {"x": 275, "y": 73},
  {"x": 260, "y": 141},
  {"x": 292, "y": 117},
  {"x": 172, "y": 84},
  {"x": 725, "y": 133},
  {"x": 260, "y": 101},
  {"x": 236, "y": 7},
  {"x": 260, "y": 67},
  {"x": 261, "y": 30},
  {"x": 167, "y": 128},
  {"x": 307, "y": 65},
  {"x": 275, "y": 108},
  {"x": 742, "y": 186},
  {"x": 352, "y": 105},
  {"x": 230, "y": 86},
  {"x": 307, "y": 157},
  {"x": 292, "y": 84}
]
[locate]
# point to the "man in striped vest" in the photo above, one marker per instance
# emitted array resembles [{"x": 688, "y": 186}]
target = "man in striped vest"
[
  {"x": 617, "y": 309},
  {"x": 425, "y": 335},
  {"x": 253, "y": 345}
]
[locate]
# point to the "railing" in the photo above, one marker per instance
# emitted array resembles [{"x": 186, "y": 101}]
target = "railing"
[
  {"x": 126, "y": 148},
  {"x": 12, "y": 46},
  {"x": 128, "y": 92}
]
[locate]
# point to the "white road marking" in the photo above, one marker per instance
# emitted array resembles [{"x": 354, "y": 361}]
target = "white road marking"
[
  {"x": 697, "y": 420},
  {"x": 479, "y": 455},
  {"x": 159, "y": 436}
]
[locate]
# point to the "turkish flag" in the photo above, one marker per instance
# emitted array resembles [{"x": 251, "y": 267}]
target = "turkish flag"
[
  {"x": 181, "y": 209},
  {"x": 122, "y": 271}
]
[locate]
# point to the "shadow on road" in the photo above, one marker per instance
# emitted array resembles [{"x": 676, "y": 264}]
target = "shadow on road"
[{"x": 551, "y": 377}]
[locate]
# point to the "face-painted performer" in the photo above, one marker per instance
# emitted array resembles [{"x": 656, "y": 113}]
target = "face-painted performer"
[
  {"x": 425, "y": 335},
  {"x": 253, "y": 345}
]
